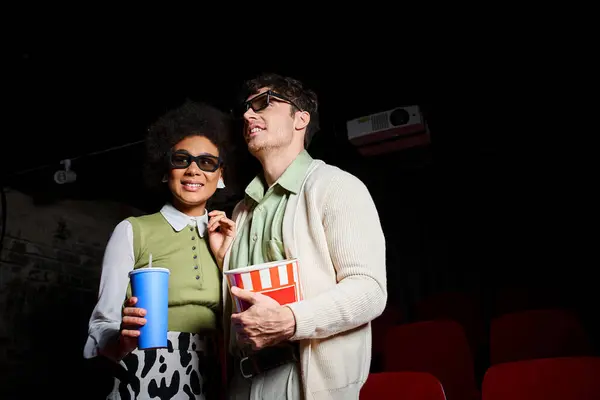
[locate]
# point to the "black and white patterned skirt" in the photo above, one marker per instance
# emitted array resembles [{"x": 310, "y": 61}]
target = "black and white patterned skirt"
[{"x": 187, "y": 369}]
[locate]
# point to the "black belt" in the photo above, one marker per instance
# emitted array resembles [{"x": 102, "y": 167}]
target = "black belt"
[{"x": 269, "y": 358}]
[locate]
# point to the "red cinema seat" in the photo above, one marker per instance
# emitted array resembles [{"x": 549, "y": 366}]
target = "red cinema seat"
[
  {"x": 533, "y": 334},
  {"x": 437, "y": 347},
  {"x": 561, "y": 378},
  {"x": 402, "y": 386}
]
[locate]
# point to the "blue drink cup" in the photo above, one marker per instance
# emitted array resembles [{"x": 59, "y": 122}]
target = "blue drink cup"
[{"x": 151, "y": 287}]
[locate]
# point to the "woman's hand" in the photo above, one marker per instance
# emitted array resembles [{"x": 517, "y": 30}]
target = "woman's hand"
[
  {"x": 133, "y": 319},
  {"x": 221, "y": 232}
]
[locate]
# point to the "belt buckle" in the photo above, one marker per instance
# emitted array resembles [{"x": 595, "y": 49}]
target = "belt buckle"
[{"x": 247, "y": 376}]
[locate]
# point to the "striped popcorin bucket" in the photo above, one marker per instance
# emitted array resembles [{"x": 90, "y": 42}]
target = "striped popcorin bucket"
[{"x": 278, "y": 280}]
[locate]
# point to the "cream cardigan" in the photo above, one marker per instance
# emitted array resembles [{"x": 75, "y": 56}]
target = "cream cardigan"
[{"x": 333, "y": 228}]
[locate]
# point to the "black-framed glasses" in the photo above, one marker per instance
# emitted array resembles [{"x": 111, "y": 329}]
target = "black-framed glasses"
[
  {"x": 261, "y": 102},
  {"x": 181, "y": 159}
]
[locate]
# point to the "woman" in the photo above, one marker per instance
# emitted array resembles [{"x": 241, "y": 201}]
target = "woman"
[{"x": 186, "y": 146}]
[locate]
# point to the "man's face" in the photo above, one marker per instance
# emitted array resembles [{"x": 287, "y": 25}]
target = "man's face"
[{"x": 272, "y": 127}]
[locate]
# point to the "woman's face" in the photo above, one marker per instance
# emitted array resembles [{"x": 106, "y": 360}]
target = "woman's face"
[{"x": 192, "y": 185}]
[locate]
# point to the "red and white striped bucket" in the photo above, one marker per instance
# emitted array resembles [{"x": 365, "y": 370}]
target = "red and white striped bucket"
[{"x": 278, "y": 280}]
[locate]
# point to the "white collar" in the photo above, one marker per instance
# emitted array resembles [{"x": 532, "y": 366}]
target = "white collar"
[{"x": 179, "y": 220}]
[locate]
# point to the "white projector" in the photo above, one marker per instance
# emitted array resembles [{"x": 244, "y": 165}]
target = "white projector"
[{"x": 388, "y": 131}]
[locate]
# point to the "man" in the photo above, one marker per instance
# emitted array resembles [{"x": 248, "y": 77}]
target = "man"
[{"x": 318, "y": 348}]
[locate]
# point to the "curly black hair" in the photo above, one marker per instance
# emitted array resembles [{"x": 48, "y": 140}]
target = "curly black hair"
[
  {"x": 189, "y": 119},
  {"x": 293, "y": 89}
]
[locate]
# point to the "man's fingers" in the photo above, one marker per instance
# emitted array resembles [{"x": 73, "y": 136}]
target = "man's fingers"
[
  {"x": 242, "y": 294},
  {"x": 236, "y": 320}
]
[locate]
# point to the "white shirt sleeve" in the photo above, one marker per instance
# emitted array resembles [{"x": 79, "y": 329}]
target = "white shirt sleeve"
[{"x": 106, "y": 317}]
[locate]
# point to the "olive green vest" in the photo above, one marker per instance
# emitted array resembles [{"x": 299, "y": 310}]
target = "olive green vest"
[{"x": 195, "y": 279}]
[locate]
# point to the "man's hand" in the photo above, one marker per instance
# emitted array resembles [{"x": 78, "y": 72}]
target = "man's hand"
[{"x": 266, "y": 323}]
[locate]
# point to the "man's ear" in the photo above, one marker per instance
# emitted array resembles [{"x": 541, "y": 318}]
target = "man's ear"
[{"x": 301, "y": 120}]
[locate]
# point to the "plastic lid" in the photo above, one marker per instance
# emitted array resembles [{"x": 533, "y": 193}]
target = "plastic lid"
[{"x": 146, "y": 269}]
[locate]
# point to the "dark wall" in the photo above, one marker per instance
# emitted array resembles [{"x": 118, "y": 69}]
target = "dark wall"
[{"x": 49, "y": 274}]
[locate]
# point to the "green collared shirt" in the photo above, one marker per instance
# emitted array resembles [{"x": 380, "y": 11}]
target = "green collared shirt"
[{"x": 260, "y": 239}]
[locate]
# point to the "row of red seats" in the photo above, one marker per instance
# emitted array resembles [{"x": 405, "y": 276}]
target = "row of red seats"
[
  {"x": 441, "y": 347},
  {"x": 467, "y": 311},
  {"x": 558, "y": 378},
  {"x": 474, "y": 311}
]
